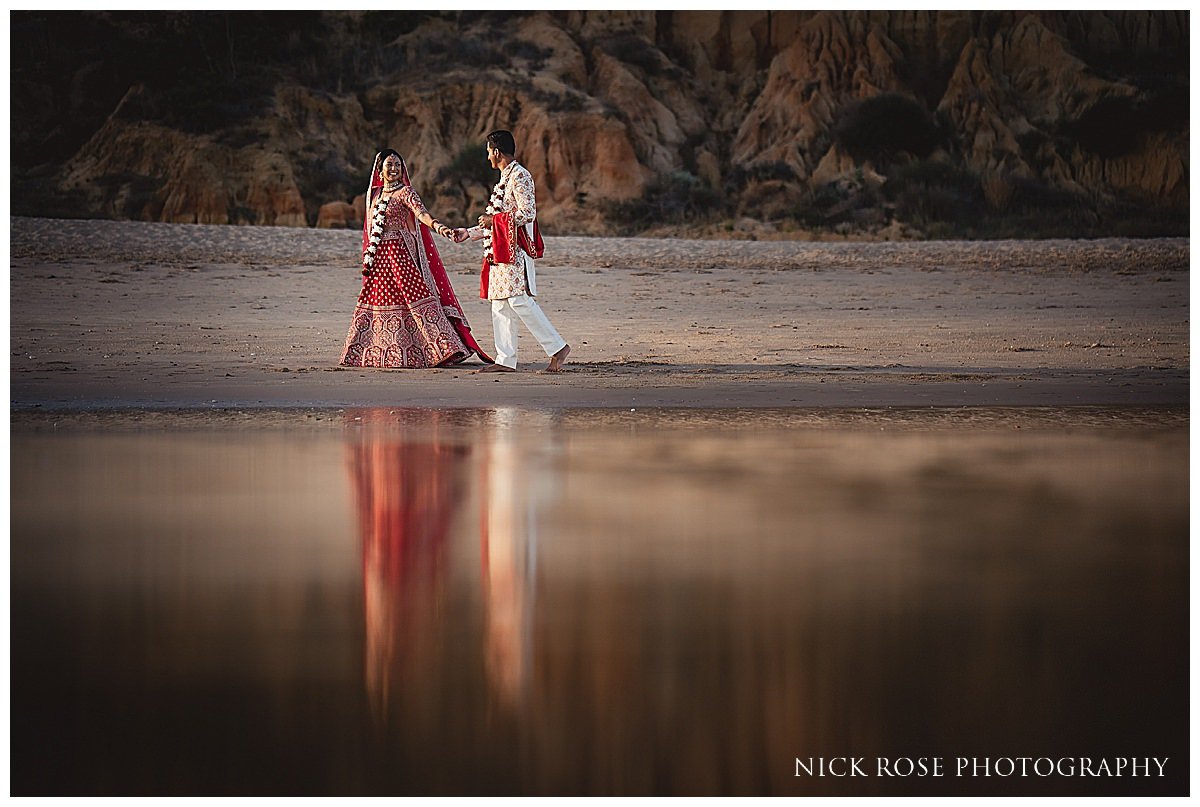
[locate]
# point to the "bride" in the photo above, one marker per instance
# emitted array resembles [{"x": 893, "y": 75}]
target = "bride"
[{"x": 407, "y": 314}]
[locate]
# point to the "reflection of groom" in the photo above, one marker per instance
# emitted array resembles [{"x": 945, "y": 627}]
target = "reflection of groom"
[{"x": 507, "y": 229}]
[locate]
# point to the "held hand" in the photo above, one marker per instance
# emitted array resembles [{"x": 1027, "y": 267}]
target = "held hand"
[{"x": 460, "y": 235}]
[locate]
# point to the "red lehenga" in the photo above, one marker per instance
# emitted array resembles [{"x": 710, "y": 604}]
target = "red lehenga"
[{"x": 407, "y": 313}]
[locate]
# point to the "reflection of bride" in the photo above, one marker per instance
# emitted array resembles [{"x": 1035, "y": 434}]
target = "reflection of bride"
[{"x": 407, "y": 491}]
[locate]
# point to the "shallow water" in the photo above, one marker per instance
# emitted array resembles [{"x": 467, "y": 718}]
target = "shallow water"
[{"x": 595, "y": 602}]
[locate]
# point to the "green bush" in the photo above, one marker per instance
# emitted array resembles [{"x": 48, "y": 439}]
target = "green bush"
[
  {"x": 1166, "y": 107},
  {"x": 673, "y": 198},
  {"x": 926, "y": 191},
  {"x": 570, "y": 101},
  {"x": 131, "y": 193},
  {"x": 523, "y": 49},
  {"x": 886, "y": 126},
  {"x": 761, "y": 171},
  {"x": 1109, "y": 128},
  {"x": 240, "y": 214},
  {"x": 469, "y": 165},
  {"x": 1113, "y": 126},
  {"x": 635, "y": 50},
  {"x": 827, "y": 205}
]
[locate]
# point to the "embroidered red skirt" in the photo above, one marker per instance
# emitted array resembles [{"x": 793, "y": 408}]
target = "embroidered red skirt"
[{"x": 399, "y": 320}]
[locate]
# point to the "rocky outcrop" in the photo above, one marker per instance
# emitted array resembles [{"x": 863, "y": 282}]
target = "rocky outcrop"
[
  {"x": 338, "y": 216},
  {"x": 134, "y": 169},
  {"x": 825, "y": 66},
  {"x": 736, "y": 110}
]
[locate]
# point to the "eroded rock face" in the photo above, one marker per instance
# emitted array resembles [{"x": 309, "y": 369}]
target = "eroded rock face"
[
  {"x": 826, "y": 65},
  {"x": 607, "y": 104},
  {"x": 133, "y": 169}
]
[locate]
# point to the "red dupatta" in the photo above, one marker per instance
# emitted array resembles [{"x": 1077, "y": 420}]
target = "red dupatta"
[
  {"x": 506, "y": 236},
  {"x": 437, "y": 269}
]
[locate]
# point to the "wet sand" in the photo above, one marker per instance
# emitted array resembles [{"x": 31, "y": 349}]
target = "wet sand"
[{"x": 140, "y": 315}]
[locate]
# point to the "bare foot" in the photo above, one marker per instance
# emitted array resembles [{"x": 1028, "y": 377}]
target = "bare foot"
[
  {"x": 558, "y": 360},
  {"x": 496, "y": 368}
]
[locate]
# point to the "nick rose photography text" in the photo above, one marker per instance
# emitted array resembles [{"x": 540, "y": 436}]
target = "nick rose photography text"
[{"x": 982, "y": 766}]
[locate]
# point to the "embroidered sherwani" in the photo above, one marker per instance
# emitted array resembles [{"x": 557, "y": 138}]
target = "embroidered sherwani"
[
  {"x": 514, "y": 195},
  {"x": 511, "y": 286}
]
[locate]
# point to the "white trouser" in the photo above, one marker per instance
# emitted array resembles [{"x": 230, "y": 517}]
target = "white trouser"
[{"x": 505, "y": 326}]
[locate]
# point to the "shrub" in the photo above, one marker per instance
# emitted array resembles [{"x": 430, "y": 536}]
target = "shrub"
[
  {"x": 1034, "y": 195},
  {"x": 761, "y": 171},
  {"x": 469, "y": 165},
  {"x": 1031, "y": 141},
  {"x": 669, "y": 199},
  {"x": 240, "y": 214},
  {"x": 130, "y": 193},
  {"x": 827, "y": 205},
  {"x": 324, "y": 177},
  {"x": 445, "y": 49},
  {"x": 387, "y": 25},
  {"x": 523, "y": 49},
  {"x": 1108, "y": 128},
  {"x": 885, "y": 126},
  {"x": 476, "y": 53},
  {"x": 1166, "y": 108},
  {"x": 570, "y": 101},
  {"x": 635, "y": 50},
  {"x": 1114, "y": 125},
  {"x": 926, "y": 191},
  {"x": 210, "y": 103}
]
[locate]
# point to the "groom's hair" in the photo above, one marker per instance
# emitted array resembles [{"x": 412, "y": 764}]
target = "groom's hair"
[{"x": 504, "y": 142}]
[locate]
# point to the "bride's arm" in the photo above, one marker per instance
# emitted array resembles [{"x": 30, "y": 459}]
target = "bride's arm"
[{"x": 418, "y": 208}]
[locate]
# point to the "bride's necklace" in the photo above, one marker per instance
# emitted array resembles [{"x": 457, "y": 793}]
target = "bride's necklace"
[{"x": 392, "y": 186}]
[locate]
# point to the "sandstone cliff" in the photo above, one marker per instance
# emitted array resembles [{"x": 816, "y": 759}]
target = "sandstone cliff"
[{"x": 627, "y": 119}]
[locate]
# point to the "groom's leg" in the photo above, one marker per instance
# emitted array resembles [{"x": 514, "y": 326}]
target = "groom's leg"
[
  {"x": 506, "y": 329},
  {"x": 538, "y": 323}
]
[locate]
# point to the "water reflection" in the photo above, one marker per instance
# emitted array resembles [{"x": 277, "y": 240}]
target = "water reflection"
[
  {"x": 511, "y": 602},
  {"x": 508, "y": 549},
  {"x": 410, "y": 489},
  {"x": 406, "y": 493}
]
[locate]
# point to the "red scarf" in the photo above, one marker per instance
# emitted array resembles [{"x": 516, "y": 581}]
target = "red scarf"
[{"x": 506, "y": 237}]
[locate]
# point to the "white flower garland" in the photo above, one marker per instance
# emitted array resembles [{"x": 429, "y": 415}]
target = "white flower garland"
[
  {"x": 495, "y": 205},
  {"x": 378, "y": 215}
]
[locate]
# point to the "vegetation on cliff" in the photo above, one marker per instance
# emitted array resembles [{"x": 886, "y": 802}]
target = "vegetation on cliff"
[{"x": 878, "y": 124}]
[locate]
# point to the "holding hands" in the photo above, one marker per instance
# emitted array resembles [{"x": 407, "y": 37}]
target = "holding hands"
[{"x": 457, "y": 234}]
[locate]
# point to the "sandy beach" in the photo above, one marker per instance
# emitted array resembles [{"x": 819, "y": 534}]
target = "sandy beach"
[
  {"x": 111, "y": 314},
  {"x": 790, "y": 500}
]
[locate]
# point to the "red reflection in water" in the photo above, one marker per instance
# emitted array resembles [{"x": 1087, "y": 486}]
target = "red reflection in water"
[
  {"x": 409, "y": 489},
  {"x": 406, "y": 494}
]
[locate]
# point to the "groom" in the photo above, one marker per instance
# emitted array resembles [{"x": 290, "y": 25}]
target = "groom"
[{"x": 508, "y": 232}]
